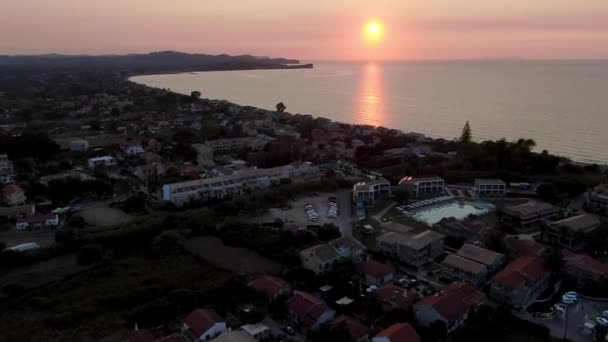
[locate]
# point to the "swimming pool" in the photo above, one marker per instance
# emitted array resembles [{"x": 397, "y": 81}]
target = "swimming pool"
[{"x": 459, "y": 210}]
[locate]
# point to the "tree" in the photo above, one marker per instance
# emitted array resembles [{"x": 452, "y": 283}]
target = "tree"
[
  {"x": 281, "y": 107},
  {"x": 195, "y": 95},
  {"x": 466, "y": 135},
  {"x": 400, "y": 195},
  {"x": 438, "y": 330},
  {"x": 167, "y": 243},
  {"x": 547, "y": 192}
]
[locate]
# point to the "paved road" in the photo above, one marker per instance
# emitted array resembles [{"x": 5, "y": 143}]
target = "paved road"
[{"x": 346, "y": 212}]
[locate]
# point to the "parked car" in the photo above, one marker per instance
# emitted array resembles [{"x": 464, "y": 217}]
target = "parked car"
[
  {"x": 571, "y": 293},
  {"x": 566, "y": 300},
  {"x": 605, "y": 314},
  {"x": 602, "y": 321}
]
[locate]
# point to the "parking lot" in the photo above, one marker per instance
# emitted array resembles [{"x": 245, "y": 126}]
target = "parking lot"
[
  {"x": 298, "y": 213},
  {"x": 573, "y": 323}
]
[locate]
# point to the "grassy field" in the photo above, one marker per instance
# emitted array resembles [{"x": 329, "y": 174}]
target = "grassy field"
[
  {"x": 102, "y": 301},
  {"x": 238, "y": 260}
]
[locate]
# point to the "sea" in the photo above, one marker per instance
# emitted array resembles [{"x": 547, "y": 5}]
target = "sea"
[{"x": 562, "y": 105}]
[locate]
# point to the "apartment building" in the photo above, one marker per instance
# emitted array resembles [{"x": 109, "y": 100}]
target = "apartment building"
[
  {"x": 372, "y": 192},
  {"x": 490, "y": 188},
  {"x": 572, "y": 233},
  {"x": 232, "y": 145},
  {"x": 412, "y": 249},
  {"x": 423, "y": 186},
  {"x": 232, "y": 184},
  {"x": 528, "y": 217},
  {"x": 105, "y": 161}
]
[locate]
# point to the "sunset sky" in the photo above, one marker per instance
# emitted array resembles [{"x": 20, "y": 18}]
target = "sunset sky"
[{"x": 310, "y": 29}]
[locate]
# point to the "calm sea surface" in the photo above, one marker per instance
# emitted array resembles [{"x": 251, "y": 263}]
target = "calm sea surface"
[{"x": 563, "y": 106}]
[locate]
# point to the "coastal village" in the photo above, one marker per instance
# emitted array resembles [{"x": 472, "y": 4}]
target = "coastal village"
[{"x": 137, "y": 214}]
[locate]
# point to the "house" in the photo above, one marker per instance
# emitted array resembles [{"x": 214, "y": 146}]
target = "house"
[
  {"x": 101, "y": 162},
  {"x": 394, "y": 297},
  {"x": 467, "y": 229},
  {"x": 412, "y": 249},
  {"x": 13, "y": 195},
  {"x": 489, "y": 187},
  {"x": 520, "y": 282},
  {"x": 376, "y": 273},
  {"x": 272, "y": 287},
  {"x": 6, "y": 170},
  {"x": 452, "y": 306},
  {"x": 132, "y": 147},
  {"x": 423, "y": 186},
  {"x": 79, "y": 145},
  {"x": 38, "y": 221},
  {"x": 524, "y": 245},
  {"x": 398, "y": 332},
  {"x": 204, "y": 154},
  {"x": 573, "y": 232},
  {"x": 528, "y": 217},
  {"x": 457, "y": 268},
  {"x": 584, "y": 270},
  {"x": 234, "y": 336},
  {"x": 597, "y": 200},
  {"x": 492, "y": 260},
  {"x": 349, "y": 248},
  {"x": 202, "y": 325},
  {"x": 372, "y": 192},
  {"x": 319, "y": 258},
  {"x": 258, "y": 331},
  {"x": 357, "y": 331},
  {"x": 308, "y": 310},
  {"x": 17, "y": 211}
]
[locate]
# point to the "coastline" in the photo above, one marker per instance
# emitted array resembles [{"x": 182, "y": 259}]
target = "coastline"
[{"x": 304, "y": 66}]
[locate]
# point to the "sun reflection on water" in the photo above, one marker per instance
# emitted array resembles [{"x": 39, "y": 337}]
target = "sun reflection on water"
[{"x": 370, "y": 99}]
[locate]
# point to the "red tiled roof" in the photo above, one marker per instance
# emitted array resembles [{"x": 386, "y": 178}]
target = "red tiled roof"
[
  {"x": 307, "y": 307},
  {"x": 517, "y": 272},
  {"x": 455, "y": 300},
  {"x": 269, "y": 285},
  {"x": 585, "y": 263},
  {"x": 11, "y": 189},
  {"x": 356, "y": 330},
  {"x": 400, "y": 332},
  {"x": 201, "y": 320},
  {"x": 395, "y": 296},
  {"x": 522, "y": 247},
  {"x": 176, "y": 337},
  {"x": 375, "y": 269},
  {"x": 40, "y": 218}
]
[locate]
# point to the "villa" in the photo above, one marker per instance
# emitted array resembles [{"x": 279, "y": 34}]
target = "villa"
[
  {"x": 105, "y": 161},
  {"x": 457, "y": 268},
  {"x": 520, "y": 283},
  {"x": 597, "y": 200}
]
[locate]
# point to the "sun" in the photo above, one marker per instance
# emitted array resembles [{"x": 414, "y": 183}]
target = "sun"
[{"x": 373, "y": 31}]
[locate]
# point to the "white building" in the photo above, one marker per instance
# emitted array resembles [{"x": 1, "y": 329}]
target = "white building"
[
  {"x": 423, "y": 185},
  {"x": 233, "y": 184},
  {"x": 371, "y": 192},
  {"x": 105, "y": 161},
  {"x": 203, "y": 325},
  {"x": 258, "y": 331},
  {"x": 490, "y": 187}
]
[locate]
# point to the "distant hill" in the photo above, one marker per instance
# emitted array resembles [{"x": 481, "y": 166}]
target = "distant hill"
[{"x": 165, "y": 61}]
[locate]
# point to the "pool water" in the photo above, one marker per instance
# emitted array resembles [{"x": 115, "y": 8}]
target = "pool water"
[{"x": 434, "y": 214}]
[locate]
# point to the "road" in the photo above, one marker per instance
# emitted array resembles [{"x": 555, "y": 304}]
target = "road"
[{"x": 346, "y": 212}]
